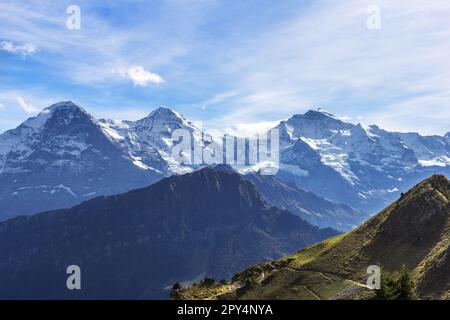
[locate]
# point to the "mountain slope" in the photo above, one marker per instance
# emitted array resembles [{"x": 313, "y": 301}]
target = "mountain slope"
[
  {"x": 134, "y": 245},
  {"x": 413, "y": 231},
  {"x": 303, "y": 203},
  {"x": 307, "y": 205}
]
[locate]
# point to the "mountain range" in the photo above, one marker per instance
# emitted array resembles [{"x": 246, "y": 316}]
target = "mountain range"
[
  {"x": 115, "y": 201},
  {"x": 366, "y": 167},
  {"x": 60, "y": 158},
  {"x": 209, "y": 223},
  {"x": 414, "y": 231},
  {"x": 64, "y": 156}
]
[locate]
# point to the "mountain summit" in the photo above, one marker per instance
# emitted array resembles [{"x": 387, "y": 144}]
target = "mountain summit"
[
  {"x": 64, "y": 105},
  {"x": 64, "y": 112},
  {"x": 318, "y": 114},
  {"x": 161, "y": 117},
  {"x": 364, "y": 166},
  {"x": 60, "y": 158}
]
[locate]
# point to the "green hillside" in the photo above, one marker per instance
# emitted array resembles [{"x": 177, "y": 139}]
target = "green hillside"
[{"x": 413, "y": 231}]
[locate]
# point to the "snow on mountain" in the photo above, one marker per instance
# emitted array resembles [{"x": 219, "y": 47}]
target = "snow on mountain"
[
  {"x": 148, "y": 141},
  {"x": 372, "y": 164},
  {"x": 60, "y": 158},
  {"x": 442, "y": 161},
  {"x": 430, "y": 150},
  {"x": 375, "y": 147},
  {"x": 64, "y": 155},
  {"x": 332, "y": 156},
  {"x": 314, "y": 125},
  {"x": 17, "y": 145}
]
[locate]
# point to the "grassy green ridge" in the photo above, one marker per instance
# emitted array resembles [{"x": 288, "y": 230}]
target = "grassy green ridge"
[{"x": 413, "y": 231}]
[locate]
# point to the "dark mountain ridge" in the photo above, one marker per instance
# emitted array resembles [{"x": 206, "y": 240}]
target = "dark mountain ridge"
[
  {"x": 134, "y": 245},
  {"x": 303, "y": 203}
]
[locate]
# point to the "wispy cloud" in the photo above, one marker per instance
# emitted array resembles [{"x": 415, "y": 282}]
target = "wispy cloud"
[
  {"x": 88, "y": 56},
  {"x": 227, "y": 65},
  {"x": 21, "y": 49},
  {"x": 218, "y": 98},
  {"x": 250, "y": 129},
  {"x": 326, "y": 56},
  {"x": 428, "y": 114},
  {"x": 27, "y": 107}
]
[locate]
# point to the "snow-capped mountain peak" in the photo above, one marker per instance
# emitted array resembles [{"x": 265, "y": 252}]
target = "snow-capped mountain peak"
[
  {"x": 62, "y": 113},
  {"x": 65, "y": 107},
  {"x": 64, "y": 122},
  {"x": 366, "y": 165},
  {"x": 314, "y": 124},
  {"x": 318, "y": 114},
  {"x": 161, "y": 114},
  {"x": 163, "y": 121},
  {"x": 362, "y": 131},
  {"x": 164, "y": 112},
  {"x": 148, "y": 142},
  {"x": 63, "y": 156},
  {"x": 68, "y": 106}
]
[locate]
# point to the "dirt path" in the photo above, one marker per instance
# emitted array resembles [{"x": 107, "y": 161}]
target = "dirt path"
[
  {"x": 312, "y": 293},
  {"x": 329, "y": 279}
]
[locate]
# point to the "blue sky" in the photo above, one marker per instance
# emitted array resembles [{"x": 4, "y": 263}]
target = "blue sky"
[{"x": 234, "y": 65}]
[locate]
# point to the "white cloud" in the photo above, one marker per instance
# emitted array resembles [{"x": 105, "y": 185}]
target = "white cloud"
[
  {"x": 428, "y": 114},
  {"x": 329, "y": 58},
  {"x": 319, "y": 55},
  {"x": 27, "y": 107},
  {"x": 345, "y": 118},
  {"x": 2, "y": 106},
  {"x": 140, "y": 76},
  {"x": 21, "y": 49},
  {"x": 217, "y": 99},
  {"x": 101, "y": 45}
]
